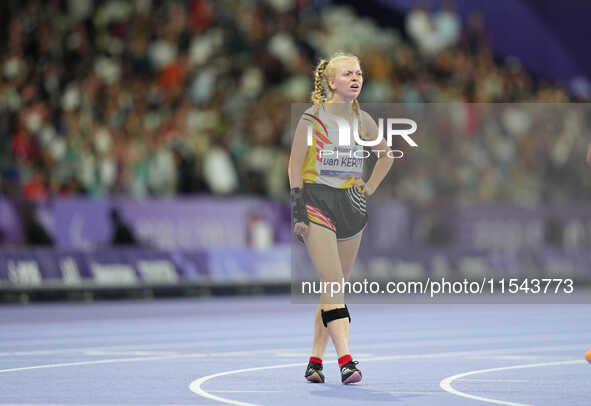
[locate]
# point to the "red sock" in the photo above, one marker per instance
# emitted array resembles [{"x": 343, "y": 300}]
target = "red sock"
[
  {"x": 344, "y": 359},
  {"x": 316, "y": 360}
]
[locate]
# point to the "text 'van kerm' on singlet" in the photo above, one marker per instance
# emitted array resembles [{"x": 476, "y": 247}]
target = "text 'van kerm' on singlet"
[{"x": 327, "y": 162}]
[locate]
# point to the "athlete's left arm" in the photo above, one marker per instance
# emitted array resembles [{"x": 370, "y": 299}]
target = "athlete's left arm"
[{"x": 385, "y": 160}]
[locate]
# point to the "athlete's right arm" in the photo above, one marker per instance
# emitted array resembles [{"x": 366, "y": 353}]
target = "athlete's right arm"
[
  {"x": 297, "y": 156},
  {"x": 299, "y": 147}
]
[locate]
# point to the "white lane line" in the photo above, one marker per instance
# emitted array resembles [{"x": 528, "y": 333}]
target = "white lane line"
[
  {"x": 494, "y": 380},
  {"x": 244, "y": 391},
  {"x": 444, "y": 336},
  {"x": 189, "y": 344},
  {"x": 81, "y": 351},
  {"x": 295, "y": 351},
  {"x": 90, "y": 340},
  {"x": 516, "y": 357},
  {"x": 98, "y": 404},
  {"x": 415, "y": 393},
  {"x": 103, "y": 353},
  {"x": 118, "y": 350},
  {"x": 138, "y": 359},
  {"x": 97, "y": 362},
  {"x": 446, "y": 384},
  {"x": 196, "y": 388},
  {"x": 305, "y": 353},
  {"x": 524, "y": 338}
]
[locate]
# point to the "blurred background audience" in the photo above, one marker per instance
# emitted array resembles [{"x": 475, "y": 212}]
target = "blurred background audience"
[{"x": 161, "y": 98}]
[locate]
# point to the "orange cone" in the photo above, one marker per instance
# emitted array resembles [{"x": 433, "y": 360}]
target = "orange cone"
[{"x": 588, "y": 356}]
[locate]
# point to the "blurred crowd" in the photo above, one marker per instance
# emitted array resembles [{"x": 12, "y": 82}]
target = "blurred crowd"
[{"x": 161, "y": 98}]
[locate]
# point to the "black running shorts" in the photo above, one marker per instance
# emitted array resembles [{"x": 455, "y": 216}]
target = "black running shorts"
[{"x": 340, "y": 210}]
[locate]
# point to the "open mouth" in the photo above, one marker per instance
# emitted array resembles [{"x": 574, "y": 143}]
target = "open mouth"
[{"x": 354, "y": 86}]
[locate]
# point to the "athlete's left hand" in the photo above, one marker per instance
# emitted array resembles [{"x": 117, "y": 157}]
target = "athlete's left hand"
[{"x": 366, "y": 188}]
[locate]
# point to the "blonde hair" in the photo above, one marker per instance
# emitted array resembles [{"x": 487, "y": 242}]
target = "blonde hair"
[{"x": 325, "y": 71}]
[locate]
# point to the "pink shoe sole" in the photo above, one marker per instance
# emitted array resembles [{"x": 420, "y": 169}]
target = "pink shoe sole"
[{"x": 355, "y": 377}]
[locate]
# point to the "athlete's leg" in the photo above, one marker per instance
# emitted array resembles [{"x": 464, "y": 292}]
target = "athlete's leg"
[
  {"x": 348, "y": 250},
  {"x": 322, "y": 245},
  {"x": 321, "y": 336}
]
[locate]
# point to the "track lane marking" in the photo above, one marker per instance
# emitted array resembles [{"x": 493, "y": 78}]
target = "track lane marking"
[{"x": 446, "y": 383}]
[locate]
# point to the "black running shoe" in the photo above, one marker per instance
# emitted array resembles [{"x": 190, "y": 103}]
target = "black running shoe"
[
  {"x": 314, "y": 373},
  {"x": 350, "y": 373}
]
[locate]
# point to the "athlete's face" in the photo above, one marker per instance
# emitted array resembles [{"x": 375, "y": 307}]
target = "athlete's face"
[{"x": 347, "y": 81}]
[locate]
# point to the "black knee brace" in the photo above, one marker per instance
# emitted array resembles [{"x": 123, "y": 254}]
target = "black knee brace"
[{"x": 335, "y": 314}]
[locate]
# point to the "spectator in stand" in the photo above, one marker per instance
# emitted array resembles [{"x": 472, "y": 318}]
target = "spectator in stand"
[
  {"x": 34, "y": 231},
  {"x": 447, "y": 25},
  {"x": 122, "y": 235}
]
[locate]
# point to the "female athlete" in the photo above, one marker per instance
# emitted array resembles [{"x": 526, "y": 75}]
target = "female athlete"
[{"x": 328, "y": 197}]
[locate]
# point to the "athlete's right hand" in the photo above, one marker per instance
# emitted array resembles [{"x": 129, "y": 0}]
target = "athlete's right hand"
[{"x": 301, "y": 229}]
